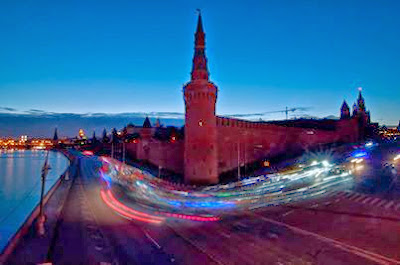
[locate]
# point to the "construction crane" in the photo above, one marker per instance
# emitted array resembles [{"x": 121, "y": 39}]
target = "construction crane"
[{"x": 260, "y": 114}]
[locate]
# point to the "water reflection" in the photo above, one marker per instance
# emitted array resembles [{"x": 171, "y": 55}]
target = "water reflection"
[{"x": 20, "y": 185}]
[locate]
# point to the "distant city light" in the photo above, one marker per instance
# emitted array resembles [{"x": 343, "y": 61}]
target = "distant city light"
[{"x": 81, "y": 133}]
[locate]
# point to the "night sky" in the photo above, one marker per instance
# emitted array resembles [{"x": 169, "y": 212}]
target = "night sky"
[{"x": 134, "y": 56}]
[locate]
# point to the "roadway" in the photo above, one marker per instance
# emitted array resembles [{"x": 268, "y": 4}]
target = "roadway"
[
  {"x": 340, "y": 228},
  {"x": 91, "y": 233}
]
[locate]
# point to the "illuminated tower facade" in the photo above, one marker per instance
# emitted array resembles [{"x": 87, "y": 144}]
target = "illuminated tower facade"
[{"x": 200, "y": 95}]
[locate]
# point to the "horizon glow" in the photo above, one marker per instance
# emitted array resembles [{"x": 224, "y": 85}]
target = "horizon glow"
[{"x": 264, "y": 57}]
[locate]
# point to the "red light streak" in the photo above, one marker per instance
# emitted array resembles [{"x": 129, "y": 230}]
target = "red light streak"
[
  {"x": 112, "y": 202},
  {"x": 130, "y": 213},
  {"x": 118, "y": 203}
]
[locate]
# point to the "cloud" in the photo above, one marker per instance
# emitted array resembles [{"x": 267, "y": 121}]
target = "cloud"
[
  {"x": 38, "y": 123},
  {"x": 36, "y": 111},
  {"x": 8, "y": 109},
  {"x": 168, "y": 115}
]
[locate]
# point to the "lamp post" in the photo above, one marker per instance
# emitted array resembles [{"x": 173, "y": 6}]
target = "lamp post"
[
  {"x": 159, "y": 171},
  {"x": 123, "y": 152},
  {"x": 238, "y": 159},
  {"x": 42, "y": 218}
]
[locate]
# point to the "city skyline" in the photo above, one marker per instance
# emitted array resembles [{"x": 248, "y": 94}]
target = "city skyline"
[{"x": 124, "y": 60}]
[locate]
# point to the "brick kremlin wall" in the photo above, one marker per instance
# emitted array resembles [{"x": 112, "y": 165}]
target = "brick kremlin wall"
[
  {"x": 160, "y": 153},
  {"x": 255, "y": 140},
  {"x": 258, "y": 140}
]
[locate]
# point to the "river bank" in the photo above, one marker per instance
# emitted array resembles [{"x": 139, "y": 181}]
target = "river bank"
[{"x": 20, "y": 177}]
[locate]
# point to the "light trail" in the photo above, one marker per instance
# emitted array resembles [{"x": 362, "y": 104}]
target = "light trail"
[
  {"x": 167, "y": 200},
  {"x": 112, "y": 202}
]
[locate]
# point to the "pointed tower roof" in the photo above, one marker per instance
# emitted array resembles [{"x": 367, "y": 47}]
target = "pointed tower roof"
[
  {"x": 158, "y": 123},
  {"x": 199, "y": 23},
  {"x": 55, "y": 137},
  {"x": 199, "y": 69},
  {"x": 146, "y": 123},
  {"x": 345, "y": 106},
  {"x": 345, "y": 111},
  {"x": 360, "y": 100}
]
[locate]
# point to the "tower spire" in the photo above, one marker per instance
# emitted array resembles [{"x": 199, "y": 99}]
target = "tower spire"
[
  {"x": 199, "y": 70},
  {"x": 199, "y": 22},
  {"x": 360, "y": 100}
]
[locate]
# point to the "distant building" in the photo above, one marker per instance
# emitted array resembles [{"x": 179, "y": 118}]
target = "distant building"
[
  {"x": 55, "y": 136},
  {"x": 81, "y": 134}
]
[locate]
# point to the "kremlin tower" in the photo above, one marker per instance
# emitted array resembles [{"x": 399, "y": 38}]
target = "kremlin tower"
[
  {"x": 200, "y": 95},
  {"x": 216, "y": 146},
  {"x": 345, "y": 111}
]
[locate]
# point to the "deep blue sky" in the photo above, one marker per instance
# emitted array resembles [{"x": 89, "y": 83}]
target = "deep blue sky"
[{"x": 128, "y": 56}]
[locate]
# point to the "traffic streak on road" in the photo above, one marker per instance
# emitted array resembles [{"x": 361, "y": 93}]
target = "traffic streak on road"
[
  {"x": 305, "y": 214},
  {"x": 150, "y": 199}
]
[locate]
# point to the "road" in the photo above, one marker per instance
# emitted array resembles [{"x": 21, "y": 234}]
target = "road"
[
  {"x": 342, "y": 228},
  {"x": 91, "y": 233}
]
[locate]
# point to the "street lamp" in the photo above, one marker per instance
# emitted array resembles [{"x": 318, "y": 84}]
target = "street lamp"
[
  {"x": 159, "y": 171},
  {"x": 123, "y": 151},
  {"x": 238, "y": 159},
  {"x": 42, "y": 218}
]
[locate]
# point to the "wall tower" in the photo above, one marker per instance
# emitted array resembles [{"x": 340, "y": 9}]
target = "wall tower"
[
  {"x": 345, "y": 111},
  {"x": 200, "y": 164}
]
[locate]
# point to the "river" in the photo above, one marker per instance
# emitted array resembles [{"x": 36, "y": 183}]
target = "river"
[{"x": 20, "y": 182}]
